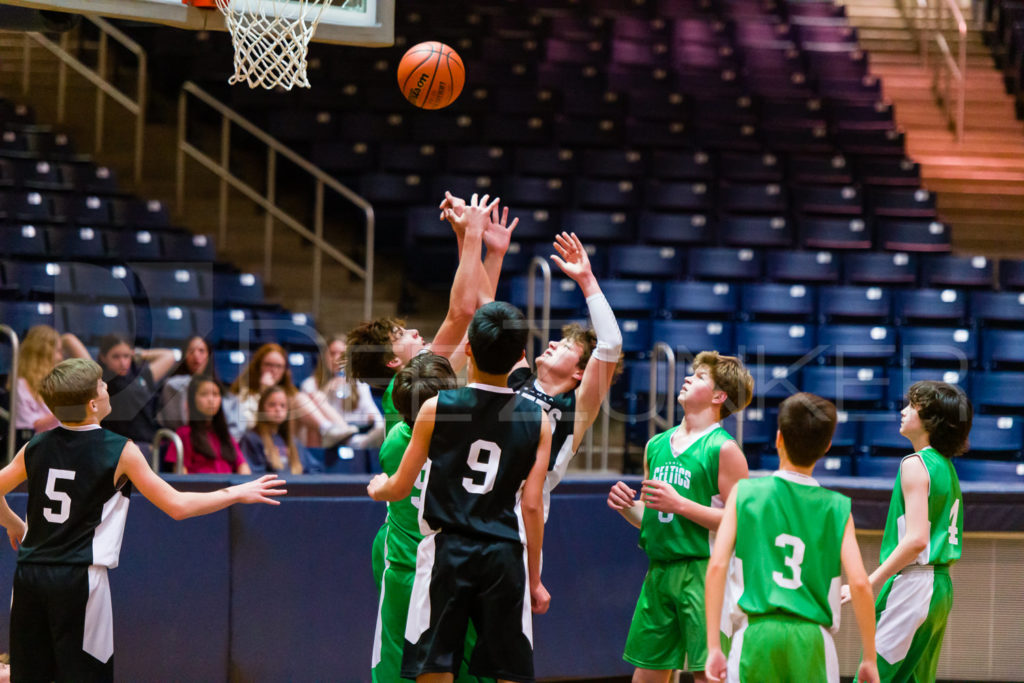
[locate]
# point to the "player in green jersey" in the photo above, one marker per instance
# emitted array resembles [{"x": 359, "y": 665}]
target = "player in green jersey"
[
  {"x": 923, "y": 534},
  {"x": 687, "y": 471},
  {"x": 790, "y": 537}
]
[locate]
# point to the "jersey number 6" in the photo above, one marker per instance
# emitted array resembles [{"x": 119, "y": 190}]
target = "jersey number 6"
[{"x": 489, "y": 467}]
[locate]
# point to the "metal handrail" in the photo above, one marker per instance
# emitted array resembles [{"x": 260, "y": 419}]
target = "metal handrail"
[
  {"x": 267, "y": 200},
  {"x": 162, "y": 435},
  {"x": 531, "y": 304},
  {"x": 12, "y": 412},
  {"x": 927, "y": 20},
  {"x": 105, "y": 88},
  {"x": 654, "y": 420}
]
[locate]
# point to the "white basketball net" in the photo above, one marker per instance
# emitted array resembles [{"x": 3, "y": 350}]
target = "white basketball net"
[{"x": 271, "y": 38}]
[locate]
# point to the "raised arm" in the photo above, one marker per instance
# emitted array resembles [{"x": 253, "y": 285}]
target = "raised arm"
[
  {"x": 714, "y": 588},
  {"x": 597, "y": 376},
  {"x": 399, "y": 485},
  {"x": 622, "y": 499},
  {"x": 915, "y": 480},
  {"x": 185, "y": 504},
  {"x": 160, "y": 361},
  {"x": 533, "y": 516},
  {"x": 463, "y": 299},
  {"x": 863, "y": 602},
  {"x": 662, "y": 496},
  {"x": 497, "y": 238}
]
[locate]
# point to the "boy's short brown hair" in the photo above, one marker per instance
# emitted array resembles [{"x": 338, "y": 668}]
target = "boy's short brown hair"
[
  {"x": 69, "y": 387},
  {"x": 370, "y": 350},
  {"x": 946, "y": 414},
  {"x": 729, "y": 375},
  {"x": 421, "y": 379},
  {"x": 807, "y": 423}
]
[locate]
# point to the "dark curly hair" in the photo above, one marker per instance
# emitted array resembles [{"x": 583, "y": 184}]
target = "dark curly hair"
[{"x": 946, "y": 414}]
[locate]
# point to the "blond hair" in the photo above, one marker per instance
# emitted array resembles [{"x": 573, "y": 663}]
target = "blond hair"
[
  {"x": 69, "y": 387},
  {"x": 35, "y": 356},
  {"x": 729, "y": 375}
]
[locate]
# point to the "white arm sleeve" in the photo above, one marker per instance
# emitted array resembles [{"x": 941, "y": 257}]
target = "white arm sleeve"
[{"x": 609, "y": 338}]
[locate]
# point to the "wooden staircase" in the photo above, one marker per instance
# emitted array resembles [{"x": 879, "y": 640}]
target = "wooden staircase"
[{"x": 979, "y": 180}]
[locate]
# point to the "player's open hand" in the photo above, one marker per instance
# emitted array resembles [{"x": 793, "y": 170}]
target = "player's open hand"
[
  {"x": 621, "y": 497},
  {"x": 16, "y": 532},
  {"x": 262, "y": 490},
  {"x": 717, "y": 665},
  {"x": 475, "y": 215},
  {"x": 450, "y": 201},
  {"x": 540, "y": 599},
  {"x": 375, "y": 485},
  {"x": 867, "y": 672},
  {"x": 498, "y": 234},
  {"x": 661, "y": 496},
  {"x": 844, "y": 594},
  {"x": 572, "y": 257}
]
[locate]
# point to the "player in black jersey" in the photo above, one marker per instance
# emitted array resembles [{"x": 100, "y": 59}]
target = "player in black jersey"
[
  {"x": 79, "y": 480},
  {"x": 486, "y": 450},
  {"x": 574, "y": 374}
]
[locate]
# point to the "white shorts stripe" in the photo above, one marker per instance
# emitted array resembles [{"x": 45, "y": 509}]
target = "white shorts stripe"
[
  {"x": 375, "y": 658},
  {"x": 906, "y": 609},
  {"x": 98, "y": 635},
  {"x": 527, "y": 606},
  {"x": 831, "y": 658},
  {"x": 735, "y": 652},
  {"x": 419, "y": 602}
]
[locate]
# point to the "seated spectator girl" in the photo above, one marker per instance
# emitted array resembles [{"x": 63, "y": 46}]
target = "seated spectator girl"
[
  {"x": 208, "y": 446},
  {"x": 347, "y": 397},
  {"x": 132, "y": 377},
  {"x": 41, "y": 349},
  {"x": 196, "y": 359},
  {"x": 269, "y": 368},
  {"x": 270, "y": 447}
]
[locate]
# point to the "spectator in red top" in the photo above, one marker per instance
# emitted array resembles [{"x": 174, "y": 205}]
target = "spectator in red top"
[{"x": 208, "y": 445}]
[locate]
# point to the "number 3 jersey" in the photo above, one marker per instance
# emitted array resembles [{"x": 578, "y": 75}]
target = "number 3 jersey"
[
  {"x": 75, "y": 513},
  {"x": 482, "y": 449},
  {"x": 789, "y": 533}
]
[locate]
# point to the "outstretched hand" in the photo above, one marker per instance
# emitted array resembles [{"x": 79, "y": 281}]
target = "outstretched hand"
[
  {"x": 261, "y": 490},
  {"x": 498, "y": 234},
  {"x": 474, "y": 216},
  {"x": 572, "y": 257},
  {"x": 450, "y": 201}
]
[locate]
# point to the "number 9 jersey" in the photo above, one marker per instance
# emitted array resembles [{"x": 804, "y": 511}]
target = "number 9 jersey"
[
  {"x": 482, "y": 449},
  {"x": 76, "y": 514}
]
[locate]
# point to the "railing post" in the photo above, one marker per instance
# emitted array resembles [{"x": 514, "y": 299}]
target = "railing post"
[
  {"x": 101, "y": 69},
  {"x": 371, "y": 230},
  {"x": 654, "y": 419},
  {"x": 225, "y": 161},
  {"x": 62, "y": 80},
  {"x": 12, "y": 411},
  {"x": 268, "y": 220},
  {"x": 318, "y": 254},
  {"x": 140, "y": 121},
  {"x": 154, "y": 454},
  {"x": 26, "y": 65},
  {"x": 531, "y": 304},
  {"x": 179, "y": 167}
]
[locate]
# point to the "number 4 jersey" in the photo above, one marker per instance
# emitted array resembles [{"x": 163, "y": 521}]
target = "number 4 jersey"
[
  {"x": 76, "y": 514},
  {"x": 789, "y": 533},
  {"x": 482, "y": 449}
]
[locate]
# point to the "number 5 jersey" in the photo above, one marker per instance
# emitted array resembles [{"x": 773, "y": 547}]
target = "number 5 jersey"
[{"x": 482, "y": 449}]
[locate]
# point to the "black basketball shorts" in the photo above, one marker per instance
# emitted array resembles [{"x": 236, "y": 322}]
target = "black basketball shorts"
[
  {"x": 62, "y": 627},
  {"x": 459, "y": 579}
]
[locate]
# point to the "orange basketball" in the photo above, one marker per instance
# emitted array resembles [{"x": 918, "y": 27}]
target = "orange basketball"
[{"x": 431, "y": 75}]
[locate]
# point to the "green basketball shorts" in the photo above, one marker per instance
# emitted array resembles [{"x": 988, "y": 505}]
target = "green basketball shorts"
[
  {"x": 669, "y": 630},
  {"x": 778, "y": 648}
]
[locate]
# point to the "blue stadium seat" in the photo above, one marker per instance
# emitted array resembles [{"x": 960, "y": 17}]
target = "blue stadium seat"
[
  {"x": 76, "y": 243},
  {"x": 997, "y": 308},
  {"x": 760, "y": 342},
  {"x": 633, "y": 296},
  {"x": 833, "y": 169},
  {"x": 566, "y": 298},
  {"x": 997, "y": 390},
  {"x": 1002, "y": 349},
  {"x": 234, "y": 326},
  {"x": 21, "y": 315},
  {"x": 777, "y": 301},
  {"x": 933, "y": 306},
  {"x": 184, "y": 246},
  {"x": 918, "y": 235},
  {"x": 996, "y": 437},
  {"x": 343, "y": 156},
  {"x": 135, "y": 245},
  {"x": 701, "y": 299},
  {"x": 170, "y": 325},
  {"x": 229, "y": 364},
  {"x": 103, "y": 283},
  {"x": 847, "y": 386},
  {"x": 827, "y": 466},
  {"x": 956, "y": 271},
  {"x": 689, "y": 337},
  {"x": 157, "y": 283},
  {"x": 773, "y": 383},
  {"x": 606, "y": 194},
  {"x": 834, "y": 233},
  {"x": 22, "y": 240},
  {"x": 828, "y": 200},
  {"x": 543, "y": 161},
  {"x": 682, "y": 165},
  {"x": 755, "y": 231},
  {"x": 758, "y": 434},
  {"x": 969, "y": 469},
  {"x": 902, "y": 202},
  {"x": 599, "y": 226},
  {"x": 406, "y": 157},
  {"x": 723, "y": 264},
  {"x": 674, "y": 228},
  {"x": 896, "y": 171},
  {"x": 877, "y": 268},
  {"x": 39, "y": 174},
  {"x": 613, "y": 163},
  {"x": 92, "y": 321},
  {"x": 301, "y": 365},
  {"x": 752, "y": 198},
  {"x": 635, "y": 261},
  {"x": 38, "y": 279},
  {"x": 91, "y": 179},
  {"x": 88, "y": 210},
  {"x": 855, "y": 304},
  {"x": 393, "y": 188},
  {"x": 516, "y": 130},
  {"x": 245, "y": 289},
  {"x": 751, "y": 167},
  {"x": 485, "y": 159},
  {"x": 294, "y": 331},
  {"x": 636, "y": 336},
  {"x": 1011, "y": 274},
  {"x": 901, "y": 379},
  {"x": 880, "y": 433},
  {"x": 802, "y": 266},
  {"x": 857, "y": 342},
  {"x": 881, "y": 467},
  {"x": 538, "y": 192},
  {"x": 847, "y": 438},
  {"x": 664, "y": 195},
  {"x": 21, "y": 206}
]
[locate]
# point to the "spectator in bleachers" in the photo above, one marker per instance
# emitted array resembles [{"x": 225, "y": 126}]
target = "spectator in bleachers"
[
  {"x": 349, "y": 398},
  {"x": 270, "y": 446},
  {"x": 41, "y": 349},
  {"x": 133, "y": 379},
  {"x": 196, "y": 359},
  {"x": 208, "y": 446},
  {"x": 268, "y": 368}
]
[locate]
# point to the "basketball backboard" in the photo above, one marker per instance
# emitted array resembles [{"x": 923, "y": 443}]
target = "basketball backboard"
[{"x": 348, "y": 22}]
